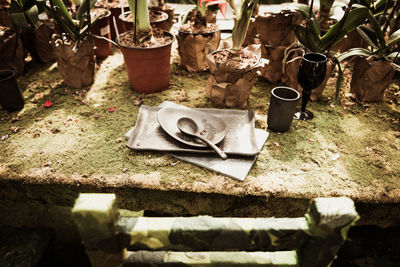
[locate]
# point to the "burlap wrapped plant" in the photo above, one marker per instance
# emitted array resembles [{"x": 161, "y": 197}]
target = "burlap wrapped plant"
[
  {"x": 229, "y": 85},
  {"x": 275, "y": 29},
  {"x": 198, "y": 37},
  {"x": 76, "y": 65},
  {"x": 193, "y": 49},
  {"x": 276, "y": 34},
  {"x": 11, "y": 51},
  {"x": 370, "y": 79},
  {"x": 37, "y": 41}
]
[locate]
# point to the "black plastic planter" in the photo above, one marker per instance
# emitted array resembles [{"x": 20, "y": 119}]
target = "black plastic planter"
[
  {"x": 10, "y": 96},
  {"x": 282, "y": 108}
]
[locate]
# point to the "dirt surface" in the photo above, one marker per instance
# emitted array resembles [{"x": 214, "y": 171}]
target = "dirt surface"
[
  {"x": 189, "y": 28},
  {"x": 246, "y": 58},
  {"x": 158, "y": 39},
  {"x": 77, "y": 144}
]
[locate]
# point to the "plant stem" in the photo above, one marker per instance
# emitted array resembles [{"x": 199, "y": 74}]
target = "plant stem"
[
  {"x": 135, "y": 39},
  {"x": 387, "y": 22}
]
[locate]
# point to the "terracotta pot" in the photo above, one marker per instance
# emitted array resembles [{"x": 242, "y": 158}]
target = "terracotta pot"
[
  {"x": 370, "y": 79},
  {"x": 10, "y": 96},
  {"x": 127, "y": 22},
  {"x": 102, "y": 28},
  {"x": 193, "y": 48},
  {"x": 148, "y": 68},
  {"x": 115, "y": 13},
  {"x": 170, "y": 12}
]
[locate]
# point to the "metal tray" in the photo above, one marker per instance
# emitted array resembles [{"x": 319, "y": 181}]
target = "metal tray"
[{"x": 239, "y": 140}]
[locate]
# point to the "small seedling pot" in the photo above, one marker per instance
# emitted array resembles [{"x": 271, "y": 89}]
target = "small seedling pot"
[
  {"x": 10, "y": 96},
  {"x": 282, "y": 107},
  {"x": 148, "y": 68},
  {"x": 102, "y": 28}
]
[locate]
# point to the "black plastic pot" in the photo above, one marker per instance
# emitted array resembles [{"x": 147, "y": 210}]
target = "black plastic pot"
[
  {"x": 10, "y": 96},
  {"x": 282, "y": 108}
]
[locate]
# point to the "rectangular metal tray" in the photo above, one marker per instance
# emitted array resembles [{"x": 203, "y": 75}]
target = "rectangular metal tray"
[{"x": 240, "y": 138}]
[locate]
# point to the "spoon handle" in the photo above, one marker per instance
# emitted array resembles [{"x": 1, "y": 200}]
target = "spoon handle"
[{"x": 213, "y": 146}]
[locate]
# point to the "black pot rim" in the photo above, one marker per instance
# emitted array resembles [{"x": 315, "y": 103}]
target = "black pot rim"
[
  {"x": 325, "y": 58},
  {"x": 287, "y": 88},
  {"x": 10, "y": 73},
  {"x": 146, "y": 48}
]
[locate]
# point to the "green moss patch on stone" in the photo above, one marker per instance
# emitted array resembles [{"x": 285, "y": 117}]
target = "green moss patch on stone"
[{"x": 348, "y": 149}]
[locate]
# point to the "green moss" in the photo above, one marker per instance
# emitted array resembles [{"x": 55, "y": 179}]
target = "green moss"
[{"x": 79, "y": 135}]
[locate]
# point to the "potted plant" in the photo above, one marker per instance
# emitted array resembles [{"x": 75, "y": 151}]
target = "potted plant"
[
  {"x": 275, "y": 32},
  {"x": 146, "y": 51},
  {"x": 160, "y": 5},
  {"x": 312, "y": 39},
  {"x": 233, "y": 71},
  {"x": 74, "y": 48},
  {"x": 197, "y": 38},
  {"x": 36, "y": 30},
  {"x": 374, "y": 68}
]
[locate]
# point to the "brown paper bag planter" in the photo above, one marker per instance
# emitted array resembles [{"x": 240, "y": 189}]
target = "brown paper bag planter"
[
  {"x": 230, "y": 85},
  {"x": 11, "y": 51},
  {"x": 370, "y": 79},
  {"x": 76, "y": 65},
  {"x": 276, "y": 34},
  {"x": 275, "y": 29},
  {"x": 37, "y": 41},
  {"x": 194, "y": 47},
  {"x": 291, "y": 70},
  {"x": 148, "y": 68}
]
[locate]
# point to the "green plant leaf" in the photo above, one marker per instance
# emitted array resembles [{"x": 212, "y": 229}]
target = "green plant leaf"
[
  {"x": 368, "y": 35},
  {"x": 361, "y": 52},
  {"x": 349, "y": 22},
  {"x": 19, "y": 20},
  {"x": 242, "y": 23},
  {"x": 394, "y": 38},
  {"x": 83, "y": 8},
  {"x": 308, "y": 38},
  {"x": 305, "y": 9},
  {"x": 33, "y": 15}
]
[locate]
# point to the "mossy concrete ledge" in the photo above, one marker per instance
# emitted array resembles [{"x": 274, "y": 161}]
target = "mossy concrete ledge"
[{"x": 48, "y": 155}]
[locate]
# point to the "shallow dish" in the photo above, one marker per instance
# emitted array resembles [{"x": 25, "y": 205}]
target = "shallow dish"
[{"x": 211, "y": 127}]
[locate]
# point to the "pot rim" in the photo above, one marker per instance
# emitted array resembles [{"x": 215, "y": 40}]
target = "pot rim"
[
  {"x": 123, "y": 16},
  {"x": 145, "y": 48},
  {"x": 288, "y": 88},
  {"x": 106, "y": 15},
  {"x": 11, "y": 73}
]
